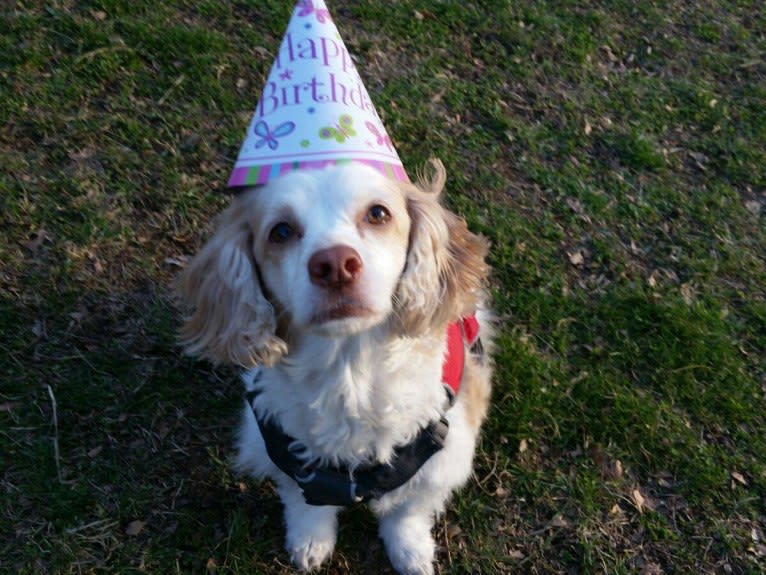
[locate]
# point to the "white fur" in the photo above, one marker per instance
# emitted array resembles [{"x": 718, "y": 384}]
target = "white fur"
[
  {"x": 353, "y": 400},
  {"x": 349, "y": 389},
  {"x": 326, "y": 207}
]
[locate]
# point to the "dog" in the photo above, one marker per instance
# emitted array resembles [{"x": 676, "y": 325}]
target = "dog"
[{"x": 345, "y": 294}]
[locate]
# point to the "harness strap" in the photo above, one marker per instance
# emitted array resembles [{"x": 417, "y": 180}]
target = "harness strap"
[
  {"x": 337, "y": 485},
  {"x": 460, "y": 334}
]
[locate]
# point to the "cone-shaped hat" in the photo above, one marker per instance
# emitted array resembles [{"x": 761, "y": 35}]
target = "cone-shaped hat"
[{"x": 314, "y": 110}]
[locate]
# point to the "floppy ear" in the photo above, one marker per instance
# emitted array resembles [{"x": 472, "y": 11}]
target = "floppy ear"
[
  {"x": 231, "y": 320},
  {"x": 445, "y": 268}
]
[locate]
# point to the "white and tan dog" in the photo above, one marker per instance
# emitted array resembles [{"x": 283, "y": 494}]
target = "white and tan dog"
[{"x": 335, "y": 289}]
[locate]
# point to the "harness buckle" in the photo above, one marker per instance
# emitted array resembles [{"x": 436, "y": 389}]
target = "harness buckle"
[{"x": 355, "y": 497}]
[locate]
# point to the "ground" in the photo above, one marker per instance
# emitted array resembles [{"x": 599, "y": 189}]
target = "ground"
[{"x": 613, "y": 152}]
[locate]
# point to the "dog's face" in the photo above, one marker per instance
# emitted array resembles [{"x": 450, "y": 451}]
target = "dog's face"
[
  {"x": 333, "y": 252},
  {"x": 331, "y": 246}
]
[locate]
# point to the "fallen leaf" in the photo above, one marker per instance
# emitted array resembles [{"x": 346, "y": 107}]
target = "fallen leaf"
[
  {"x": 135, "y": 527},
  {"x": 95, "y": 451},
  {"x": 33, "y": 244},
  {"x": 687, "y": 292},
  {"x": 739, "y": 478},
  {"x": 576, "y": 258},
  {"x": 523, "y": 446},
  {"x": 263, "y": 53},
  {"x": 515, "y": 554},
  {"x": 77, "y": 316},
  {"x": 211, "y": 565},
  {"x": 574, "y": 204},
  {"x": 82, "y": 154},
  {"x": 39, "y": 329},
  {"x": 587, "y": 128},
  {"x": 609, "y": 54},
  {"x": 699, "y": 159},
  {"x": 638, "y": 500},
  {"x": 94, "y": 259},
  {"x": 601, "y": 459},
  {"x": 754, "y": 207},
  {"x": 651, "y": 568}
]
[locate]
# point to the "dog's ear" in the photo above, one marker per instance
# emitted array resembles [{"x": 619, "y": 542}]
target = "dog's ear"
[
  {"x": 231, "y": 320},
  {"x": 445, "y": 268}
]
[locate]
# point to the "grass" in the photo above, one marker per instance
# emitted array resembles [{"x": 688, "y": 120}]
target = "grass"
[{"x": 613, "y": 152}]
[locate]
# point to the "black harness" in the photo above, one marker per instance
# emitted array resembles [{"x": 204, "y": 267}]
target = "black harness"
[{"x": 338, "y": 485}]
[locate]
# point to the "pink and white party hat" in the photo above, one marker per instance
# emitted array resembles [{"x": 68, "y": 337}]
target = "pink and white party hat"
[{"x": 314, "y": 110}]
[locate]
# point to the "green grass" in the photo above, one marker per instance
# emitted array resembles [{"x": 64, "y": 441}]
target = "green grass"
[{"x": 613, "y": 152}]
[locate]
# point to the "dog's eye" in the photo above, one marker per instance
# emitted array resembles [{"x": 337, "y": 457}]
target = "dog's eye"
[
  {"x": 378, "y": 215},
  {"x": 280, "y": 233}
]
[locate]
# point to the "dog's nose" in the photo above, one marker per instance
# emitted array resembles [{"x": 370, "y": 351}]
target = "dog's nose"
[{"x": 337, "y": 266}]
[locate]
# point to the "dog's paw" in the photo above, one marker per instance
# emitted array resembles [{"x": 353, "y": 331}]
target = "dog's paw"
[
  {"x": 310, "y": 553},
  {"x": 311, "y": 543},
  {"x": 311, "y": 530},
  {"x": 409, "y": 544},
  {"x": 412, "y": 560}
]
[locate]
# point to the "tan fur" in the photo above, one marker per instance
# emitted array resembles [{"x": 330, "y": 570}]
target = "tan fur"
[
  {"x": 475, "y": 391},
  {"x": 445, "y": 266},
  {"x": 231, "y": 321}
]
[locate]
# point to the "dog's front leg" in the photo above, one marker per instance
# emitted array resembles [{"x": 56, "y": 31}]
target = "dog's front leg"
[
  {"x": 406, "y": 533},
  {"x": 311, "y": 530}
]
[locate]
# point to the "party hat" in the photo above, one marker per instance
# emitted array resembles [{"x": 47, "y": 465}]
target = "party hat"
[{"x": 314, "y": 110}]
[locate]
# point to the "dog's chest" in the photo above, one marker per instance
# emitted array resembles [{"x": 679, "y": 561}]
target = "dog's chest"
[{"x": 359, "y": 407}]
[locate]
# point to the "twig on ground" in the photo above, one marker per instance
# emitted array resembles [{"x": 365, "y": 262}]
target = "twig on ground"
[
  {"x": 177, "y": 82},
  {"x": 446, "y": 540},
  {"x": 56, "y": 452},
  {"x": 93, "y": 53}
]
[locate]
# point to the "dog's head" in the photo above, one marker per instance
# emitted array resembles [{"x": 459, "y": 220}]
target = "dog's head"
[{"x": 333, "y": 252}]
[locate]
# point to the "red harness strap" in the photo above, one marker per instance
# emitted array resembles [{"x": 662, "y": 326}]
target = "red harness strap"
[{"x": 459, "y": 334}]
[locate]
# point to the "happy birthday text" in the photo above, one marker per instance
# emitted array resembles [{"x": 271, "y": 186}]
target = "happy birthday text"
[{"x": 328, "y": 85}]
